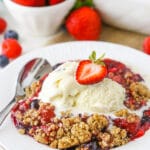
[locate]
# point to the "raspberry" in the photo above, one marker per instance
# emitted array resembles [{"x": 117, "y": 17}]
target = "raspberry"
[
  {"x": 10, "y": 34},
  {"x": 3, "y": 25},
  {"x": 146, "y": 45},
  {"x": 11, "y": 48}
]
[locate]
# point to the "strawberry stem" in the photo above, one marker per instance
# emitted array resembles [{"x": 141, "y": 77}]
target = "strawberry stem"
[
  {"x": 80, "y": 3},
  {"x": 99, "y": 61}
]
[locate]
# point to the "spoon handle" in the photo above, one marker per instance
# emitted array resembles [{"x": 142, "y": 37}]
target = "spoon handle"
[{"x": 5, "y": 111}]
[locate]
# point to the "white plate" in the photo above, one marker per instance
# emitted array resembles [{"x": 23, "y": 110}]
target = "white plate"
[{"x": 10, "y": 139}]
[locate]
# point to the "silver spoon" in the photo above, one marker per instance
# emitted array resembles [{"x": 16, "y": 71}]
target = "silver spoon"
[{"x": 33, "y": 70}]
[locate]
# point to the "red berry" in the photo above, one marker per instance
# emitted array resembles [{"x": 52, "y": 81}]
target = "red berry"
[
  {"x": 146, "y": 45},
  {"x": 139, "y": 133},
  {"x": 54, "y": 2},
  {"x": 84, "y": 23},
  {"x": 89, "y": 72},
  {"x": 147, "y": 113},
  {"x": 3, "y": 25},
  {"x": 33, "y": 3},
  {"x": 46, "y": 113},
  {"x": 40, "y": 3},
  {"x": 131, "y": 127},
  {"x": 11, "y": 48},
  {"x": 25, "y": 2}
]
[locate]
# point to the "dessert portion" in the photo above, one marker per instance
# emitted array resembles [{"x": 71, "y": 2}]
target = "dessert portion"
[{"x": 89, "y": 104}]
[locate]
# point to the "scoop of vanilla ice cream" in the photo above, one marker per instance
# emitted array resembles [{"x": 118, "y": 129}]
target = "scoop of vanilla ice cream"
[
  {"x": 106, "y": 96},
  {"x": 61, "y": 89}
]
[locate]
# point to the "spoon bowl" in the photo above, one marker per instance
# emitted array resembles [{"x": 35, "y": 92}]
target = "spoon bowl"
[{"x": 32, "y": 71}]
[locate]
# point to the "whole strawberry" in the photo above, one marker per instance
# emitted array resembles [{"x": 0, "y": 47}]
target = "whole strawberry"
[
  {"x": 146, "y": 45},
  {"x": 84, "y": 23}
]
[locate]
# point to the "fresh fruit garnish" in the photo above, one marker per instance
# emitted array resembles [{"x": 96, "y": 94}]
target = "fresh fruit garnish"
[
  {"x": 146, "y": 45},
  {"x": 84, "y": 23},
  {"x": 91, "y": 71},
  {"x": 54, "y": 2},
  {"x": 11, "y": 48},
  {"x": 33, "y": 3},
  {"x": 3, "y": 61},
  {"x": 10, "y": 34},
  {"x": 3, "y": 25}
]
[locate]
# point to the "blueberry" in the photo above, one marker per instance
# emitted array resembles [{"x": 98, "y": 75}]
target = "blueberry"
[
  {"x": 3, "y": 61},
  {"x": 145, "y": 119},
  {"x": 10, "y": 34},
  {"x": 34, "y": 104}
]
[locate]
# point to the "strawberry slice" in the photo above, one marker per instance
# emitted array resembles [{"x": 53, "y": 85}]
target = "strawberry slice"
[{"x": 91, "y": 71}]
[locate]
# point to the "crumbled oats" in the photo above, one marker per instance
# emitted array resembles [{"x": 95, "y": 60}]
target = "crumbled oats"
[
  {"x": 131, "y": 118},
  {"x": 41, "y": 137},
  {"x": 31, "y": 117},
  {"x": 122, "y": 113},
  {"x": 81, "y": 131},
  {"x": 54, "y": 144},
  {"x": 104, "y": 140},
  {"x": 21, "y": 131},
  {"x": 119, "y": 136},
  {"x": 139, "y": 91},
  {"x": 67, "y": 141},
  {"x": 97, "y": 122},
  {"x": 31, "y": 90},
  {"x": 60, "y": 133},
  {"x": 66, "y": 114}
]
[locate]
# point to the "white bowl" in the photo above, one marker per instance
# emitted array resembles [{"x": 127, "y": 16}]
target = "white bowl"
[
  {"x": 39, "y": 21},
  {"x": 127, "y": 14}
]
